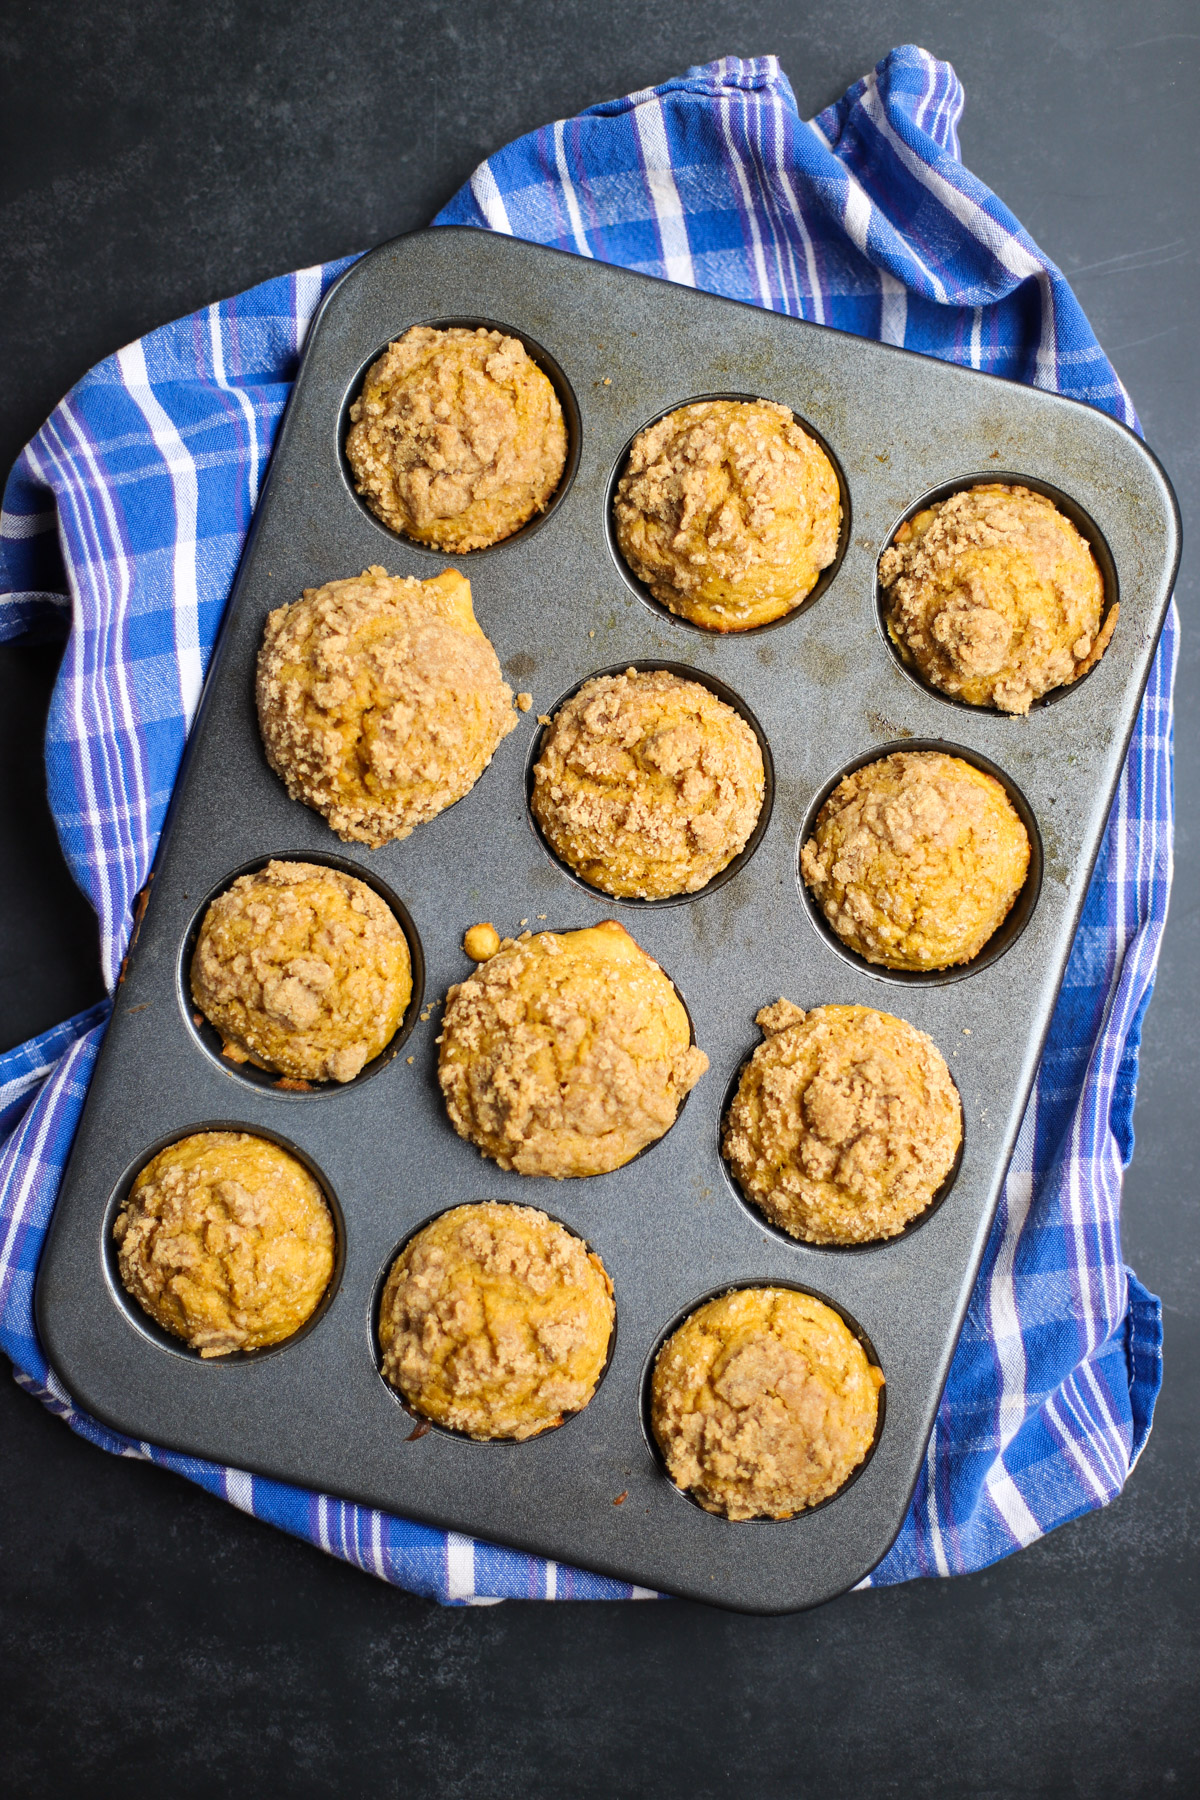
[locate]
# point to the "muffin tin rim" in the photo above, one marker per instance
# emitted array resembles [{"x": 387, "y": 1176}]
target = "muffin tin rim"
[
  {"x": 825, "y": 578},
  {"x": 693, "y": 1042},
  {"x": 1073, "y": 511},
  {"x": 264, "y": 1080},
  {"x": 646, "y": 1378},
  {"x": 870, "y": 1245},
  {"x": 721, "y": 690},
  {"x": 375, "y": 1350},
  {"x": 542, "y": 359},
  {"x": 131, "y": 1308},
  {"x": 1014, "y": 923}
]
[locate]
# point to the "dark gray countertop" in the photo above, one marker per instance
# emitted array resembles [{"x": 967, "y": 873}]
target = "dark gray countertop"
[{"x": 158, "y": 156}]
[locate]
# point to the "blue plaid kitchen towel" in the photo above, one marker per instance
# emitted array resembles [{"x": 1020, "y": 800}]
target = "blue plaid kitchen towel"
[{"x": 124, "y": 520}]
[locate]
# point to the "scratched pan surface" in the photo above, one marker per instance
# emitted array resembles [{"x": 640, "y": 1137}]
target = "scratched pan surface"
[{"x": 826, "y": 691}]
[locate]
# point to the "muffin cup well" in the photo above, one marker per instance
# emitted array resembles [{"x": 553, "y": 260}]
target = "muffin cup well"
[
  {"x": 647, "y": 666},
  {"x": 425, "y": 1425},
  {"x": 1014, "y": 922},
  {"x": 685, "y": 1313},
  {"x": 150, "y": 1328},
  {"x": 754, "y": 1212},
  {"x": 536, "y": 354},
  {"x": 208, "y": 1038},
  {"x": 824, "y": 580},
  {"x": 646, "y": 1149},
  {"x": 1084, "y": 524}
]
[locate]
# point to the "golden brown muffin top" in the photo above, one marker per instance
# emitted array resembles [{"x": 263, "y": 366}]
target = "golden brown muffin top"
[
  {"x": 647, "y": 785},
  {"x": 916, "y": 859},
  {"x": 763, "y": 1403},
  {"x": 566, "y": 1053},
  {"x": 380, "y": 700},
  {"x": 995, "y": 597},
  {"x": 457, "y": 437},
  {"x": 302, "y": 969},
  {"x": 226, "y": 1241},
  {"x": 728, "y": 511},
  {"x": 845, "y": 1123},
  {"x": 496, "y": 1320}
]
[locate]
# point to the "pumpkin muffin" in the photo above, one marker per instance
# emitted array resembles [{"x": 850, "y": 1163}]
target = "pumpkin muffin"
[
  {"x": 496, "y": 1320},
  {"x": 728, "y": 511},
  {"x": 845, "y": 1123},
  {"x": 994, "y": 597},
  {"x": 566, "y": 1054},
  {"x": 647, "y": 784},
  {"x": 763, "y": 1403},
  {"x": 226, "y": 1241},
  {"x": 916, "y": 860},
  {"x": 380, "y": 701},
  {"x": 302, "y": 970},
  {"x": 457, "y": 437}
]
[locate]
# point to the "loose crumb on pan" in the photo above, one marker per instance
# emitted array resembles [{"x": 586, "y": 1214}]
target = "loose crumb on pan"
[
  {"x": 565, "y": 1054},
  {"x": 763, "y": 1402},
  {"x": 995, "y": 597},
  {"x": 481, "y": 941},
  {"x": 496, "y": 1320},
  {"x": 728, "y": 511},
  {"x": 845, "y": 1123},
  {"x": 916, "y": 860},
  {"x": 524, "y": 700},
  {"x": 647, "y": 784},
  {"x": 457, "y": 438},
  {"x": 226, "y": 1241},
  {"x": 380, "y": 701}
]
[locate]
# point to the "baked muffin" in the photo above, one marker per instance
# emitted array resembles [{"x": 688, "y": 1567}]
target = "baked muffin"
[
  {"x": 916, "y": 860},
  {"x": 457, "y": 437},
  {"x": 728, "y": 511},
  {"x": 496, "y": 1320},
  {"x": 647, "y": 784},
  {"x": 380, "y": 701},
  {"x": 566, "y": 1053},
  {"x": 845, "y": 1123},
  {"x": 302, "y": 970},
  {"x": 226, "y": 1241},
  {"x": 994, "y": 597},
  {"x": 763, "y": 1402}
]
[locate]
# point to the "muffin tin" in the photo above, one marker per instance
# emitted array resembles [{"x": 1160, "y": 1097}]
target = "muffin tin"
[{"x": 827, "y": 692}]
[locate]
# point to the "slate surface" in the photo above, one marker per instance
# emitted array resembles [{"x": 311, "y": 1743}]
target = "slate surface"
[{"x": 157, "y": 156}]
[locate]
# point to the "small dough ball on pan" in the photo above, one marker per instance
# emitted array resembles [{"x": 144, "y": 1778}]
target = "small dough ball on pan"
[
  {"x": 381, "y": 701},
  {"x": 916, "y": 860},
  {"x": 566, "y": 1053},
  {"x": 728, "y": 511},
  {"x": 845, "y": 1123},
  {"x": 496, "y": 1320},
  {"x": 226, "y": 1241},
  {"x": 763, "y": 1402},
  {"x": 648, "y": 785},
  {"x": 994, "y": 597},
  {"x": 457, "y": 437},
  {"x": 303, "y": 970}
]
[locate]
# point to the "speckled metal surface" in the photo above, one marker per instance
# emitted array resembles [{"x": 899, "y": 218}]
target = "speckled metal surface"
[{"x": 826, "y": 691}]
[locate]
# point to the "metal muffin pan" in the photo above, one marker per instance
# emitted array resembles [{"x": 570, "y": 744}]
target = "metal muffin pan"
[{"x": 827, "y": 691}]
